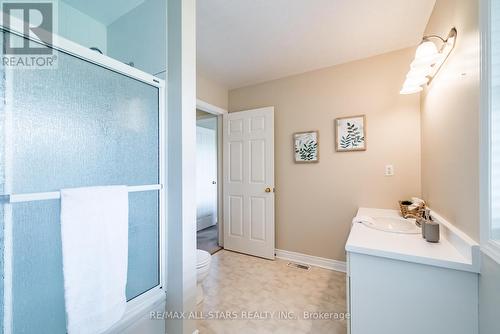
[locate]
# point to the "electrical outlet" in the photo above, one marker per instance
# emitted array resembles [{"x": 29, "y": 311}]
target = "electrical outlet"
[{"x": 389, "y": 170}]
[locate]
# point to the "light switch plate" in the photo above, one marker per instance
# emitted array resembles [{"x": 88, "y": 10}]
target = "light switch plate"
[{"x": 389, "y": 170}]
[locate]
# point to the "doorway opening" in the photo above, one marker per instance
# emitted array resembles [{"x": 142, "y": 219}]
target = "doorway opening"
[{"x": 207, "y": 189}]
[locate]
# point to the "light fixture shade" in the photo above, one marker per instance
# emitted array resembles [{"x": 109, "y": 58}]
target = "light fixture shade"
[
  {"x": 426, "y": 49},
  {"x": 410, "y": 90},
  {"x": 419, "y": 72},
  {"x": 415, "y": 81},
  {"x": 424, "y": 62},
  {"x": 428, "y": 61},
  {"x": 441, "y": 57},
  {"x": 426, "y": 55}
]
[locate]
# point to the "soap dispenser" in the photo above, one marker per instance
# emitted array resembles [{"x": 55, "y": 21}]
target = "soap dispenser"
[{"x": 430, "y": 228}]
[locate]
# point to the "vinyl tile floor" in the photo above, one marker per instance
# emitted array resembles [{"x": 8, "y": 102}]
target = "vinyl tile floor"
[
  {"x": 245, "y": 294},
  {"x": 208, "y": 239}
]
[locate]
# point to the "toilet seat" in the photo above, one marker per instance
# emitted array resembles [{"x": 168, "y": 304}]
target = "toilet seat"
[{"x": 202, "y": 258}]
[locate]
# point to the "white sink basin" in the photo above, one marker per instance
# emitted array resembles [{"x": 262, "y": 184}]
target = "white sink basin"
[{"x": 393, "y": 225}]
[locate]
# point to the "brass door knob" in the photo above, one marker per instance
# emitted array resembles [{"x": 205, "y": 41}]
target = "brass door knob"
[{"x": 268, "y": 190}]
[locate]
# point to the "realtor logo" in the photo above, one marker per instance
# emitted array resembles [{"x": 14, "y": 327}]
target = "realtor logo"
[
  {"x": 35, "y": 20},
  {"x": 37, "y": 23}
]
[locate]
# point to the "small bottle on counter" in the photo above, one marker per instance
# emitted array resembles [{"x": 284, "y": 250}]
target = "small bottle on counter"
[
  {"x": 430, "y": 228},
  {"x": 432, "y": 231}
]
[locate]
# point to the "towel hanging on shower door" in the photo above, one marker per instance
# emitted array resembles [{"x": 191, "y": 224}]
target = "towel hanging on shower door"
[{"x": 94, "y": 231}]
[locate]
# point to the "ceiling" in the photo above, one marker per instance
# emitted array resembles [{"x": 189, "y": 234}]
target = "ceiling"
[
  {"x": 104, "y": 11},
  {"x": 245, "y": 42}
]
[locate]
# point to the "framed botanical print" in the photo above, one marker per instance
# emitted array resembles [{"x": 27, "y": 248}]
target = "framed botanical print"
[
  {"x": 350, "y": 133},
  {"x": 306, "y": 146}
]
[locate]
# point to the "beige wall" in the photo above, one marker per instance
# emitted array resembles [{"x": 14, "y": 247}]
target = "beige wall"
[
  {"x": 450, "y": 141},
  {"x": 450, "y": 120},
  {"x": 316, "y": 202},
  {"x": 211, "y": 92}
]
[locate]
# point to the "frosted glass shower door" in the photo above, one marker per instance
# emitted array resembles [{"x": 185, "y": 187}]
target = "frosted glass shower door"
[{"x": 78, "y": 125}]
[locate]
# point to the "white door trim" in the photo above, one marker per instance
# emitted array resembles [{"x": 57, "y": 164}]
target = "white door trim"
[
  {"x": 219, "y": 112},
  {"x": 209, "y": 108},
  {"x": 489, "y": 246}
]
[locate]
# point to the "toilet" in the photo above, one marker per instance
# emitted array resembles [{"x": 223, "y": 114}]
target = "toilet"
[{"x": 203, "y": 259}]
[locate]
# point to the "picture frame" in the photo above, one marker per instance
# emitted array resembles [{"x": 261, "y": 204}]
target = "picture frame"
[
  {"x": 306, "y": 146},
  {"x": 350, "y": 133}
]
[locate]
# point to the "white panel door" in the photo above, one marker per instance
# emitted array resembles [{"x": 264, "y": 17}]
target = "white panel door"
[
  {"x": 249, "y": 182},
  {"x": 206, "y": 177}
]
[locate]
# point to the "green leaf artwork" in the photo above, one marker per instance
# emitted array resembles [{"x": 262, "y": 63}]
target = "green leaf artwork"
[
  {"x": 353, "y": 139},
  {"x": 306, "y": 147},
  {"x": 351, "y": 134}
]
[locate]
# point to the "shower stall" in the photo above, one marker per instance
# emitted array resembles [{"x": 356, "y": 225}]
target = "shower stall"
[{"x": 89, "y": 121}]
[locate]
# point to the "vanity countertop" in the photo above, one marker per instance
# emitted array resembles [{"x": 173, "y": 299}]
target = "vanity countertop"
[{"x": 454, "y": 251}]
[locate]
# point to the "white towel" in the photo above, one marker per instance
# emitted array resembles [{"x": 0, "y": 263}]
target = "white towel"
[
  {"x": 415, "y": 203},
  {"x": 94, "y": 230},
  {"x": 363, "y": 219}
]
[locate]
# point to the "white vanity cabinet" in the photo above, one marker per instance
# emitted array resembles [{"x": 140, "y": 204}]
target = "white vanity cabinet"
[{"x": 401, "y": 284}]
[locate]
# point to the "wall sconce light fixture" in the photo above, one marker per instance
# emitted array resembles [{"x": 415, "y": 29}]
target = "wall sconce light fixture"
[{"x": 428, "y": 61}]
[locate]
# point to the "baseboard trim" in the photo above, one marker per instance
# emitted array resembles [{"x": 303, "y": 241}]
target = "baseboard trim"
[{"x": 311, "y": 260}]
